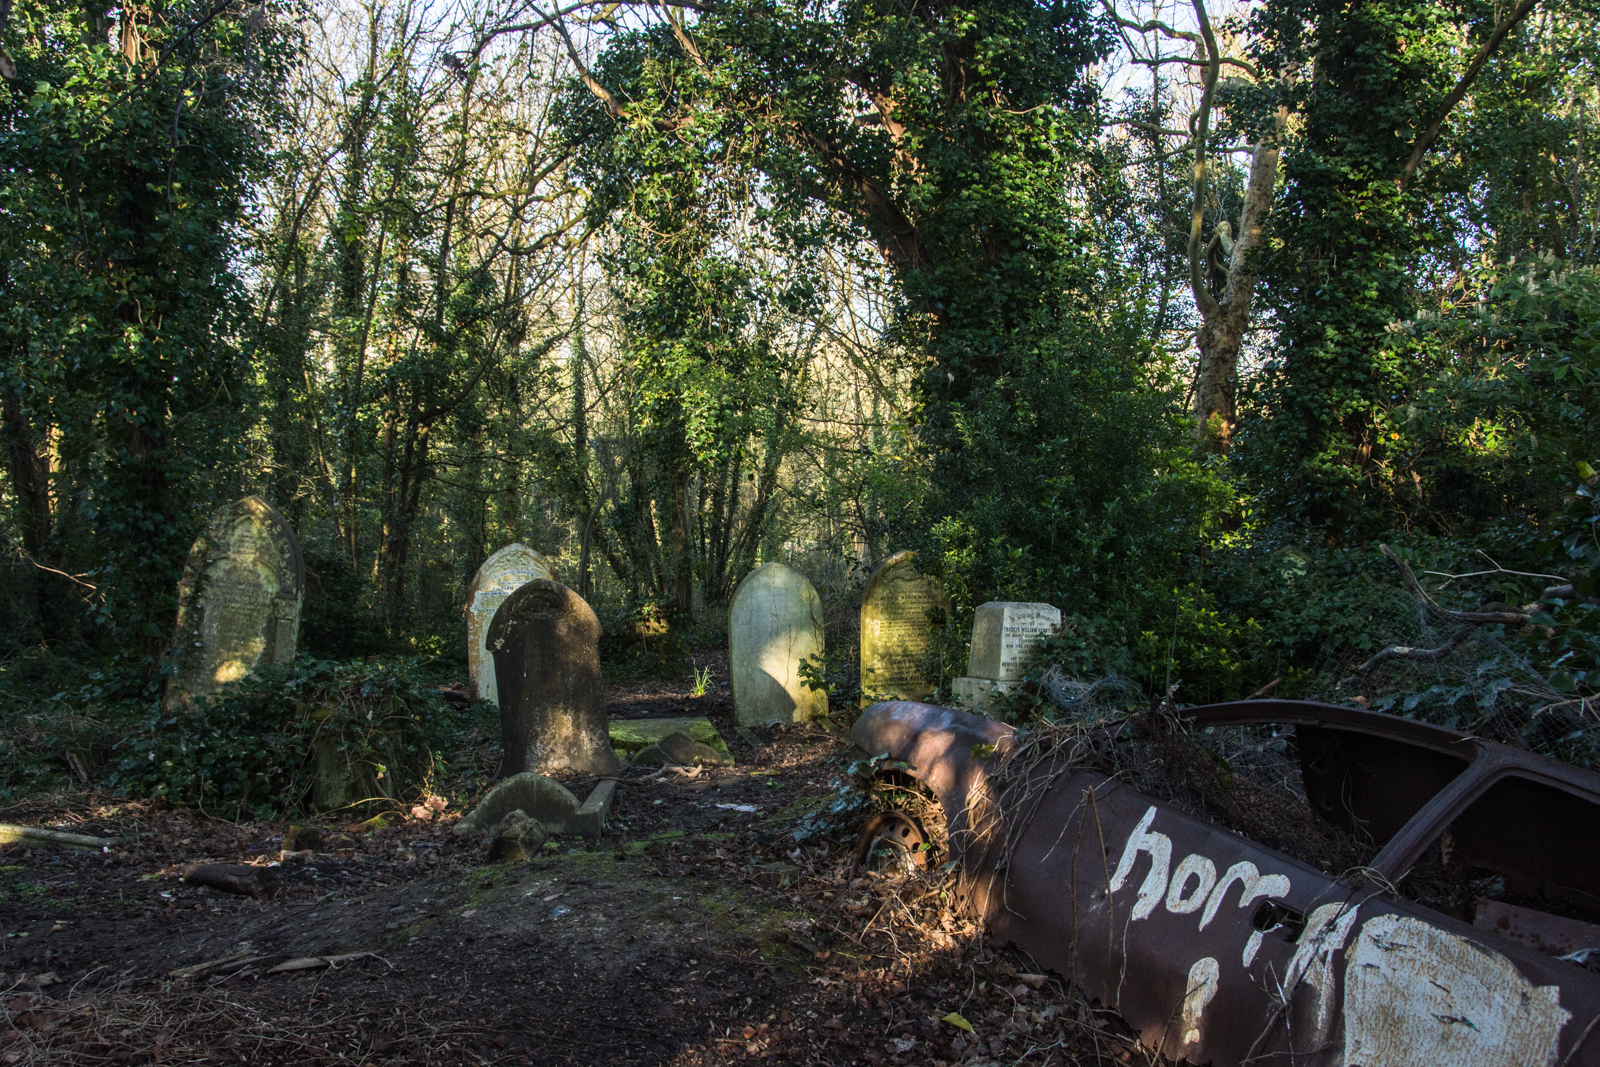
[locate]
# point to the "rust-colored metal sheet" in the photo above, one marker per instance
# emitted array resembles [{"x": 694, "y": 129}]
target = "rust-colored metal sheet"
[{"x": 1219, "y": 950}]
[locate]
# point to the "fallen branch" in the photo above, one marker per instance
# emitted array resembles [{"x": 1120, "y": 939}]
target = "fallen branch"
[
  {"x": 32, "y": 835},
  {"x": 240, "y": 959},
  {"x": 1464, "y": 620},
  {"x": 1477, "y": 618},
  {"x": 311, "y": 963},
  {"x": 258, "y": 882}
]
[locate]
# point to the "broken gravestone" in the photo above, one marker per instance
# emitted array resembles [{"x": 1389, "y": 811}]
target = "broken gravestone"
[
  {"x": 501, "y": 575},
  {"x": 774, "y": 625},
  {"x": 1006, "y": 637},
  {"x": 544, "y": 800},
  {"x": 634, "y": 739},
  {"x": 515, "y": 838},
  {"x": 895, "y": 615},
  {"x": 238, "y": 601},
  {"x": 546, "y": 646}
]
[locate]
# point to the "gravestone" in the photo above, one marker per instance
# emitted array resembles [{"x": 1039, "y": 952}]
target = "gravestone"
[
  {"x": 238, "y": 600},
  {"x": 546, "y": 646},
  {"x": 1006, "y": 636},
  {"x": 501, "y": 575},
  {"x": 894, "y": 630},
  {"x": 774, "y": 624}
]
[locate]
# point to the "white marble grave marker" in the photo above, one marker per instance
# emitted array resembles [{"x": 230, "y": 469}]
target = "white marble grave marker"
[
  {"x": 774, "y": 624},
  {"x": 501, "y": 575},
  {"x": 1006, "y": 636}
]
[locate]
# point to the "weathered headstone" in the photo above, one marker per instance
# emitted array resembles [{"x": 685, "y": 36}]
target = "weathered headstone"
[
  {"x": 238, "y": 600},
  {"x": 546, "y": 646},
  {"x": 500, "y": 575},
  {"x": 894, "y": 630},
  {"x": 774, "y": 624},
  {"x": 1006, "y": 636}
]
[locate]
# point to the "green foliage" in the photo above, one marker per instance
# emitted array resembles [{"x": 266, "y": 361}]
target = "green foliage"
[
  {"x": 258, "y": 746},
  {"x": 124, "y": 177}
]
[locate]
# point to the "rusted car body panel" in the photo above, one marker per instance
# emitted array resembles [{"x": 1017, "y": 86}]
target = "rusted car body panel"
[{"x": 1217, "y": 949}]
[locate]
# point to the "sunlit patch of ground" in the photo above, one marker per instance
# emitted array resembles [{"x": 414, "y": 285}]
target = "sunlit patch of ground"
[{"x": 694, "y": 933}]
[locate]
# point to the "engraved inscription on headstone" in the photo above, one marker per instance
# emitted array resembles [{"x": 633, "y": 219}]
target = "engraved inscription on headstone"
[
  {"x": 895, "y": 611},
  {"x": 774, "y": 624},
  {"x": 1006, "y": 636},
  {"x": 501, "y": 575},
  {"x": 238, "y": 601},
  {"x": 546, "y": 646}
]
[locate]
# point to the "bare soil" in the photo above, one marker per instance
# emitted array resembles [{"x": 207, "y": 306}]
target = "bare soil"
[{"x": 695, "y": 932}]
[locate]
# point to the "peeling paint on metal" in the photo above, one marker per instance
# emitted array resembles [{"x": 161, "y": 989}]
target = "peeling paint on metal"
[
  {"x": 1202, "y": 987},
  {"x": 1416, "y": 994},
  {"x": 1327, "y": 930}
]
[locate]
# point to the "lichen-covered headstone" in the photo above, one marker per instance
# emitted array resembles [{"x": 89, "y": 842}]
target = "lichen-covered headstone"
[
  {"x": 774, "y": 624},
  {"x": 895, "y": 614},
  {"x": 546, "y": 646},
  {"x": 238, "y": 601},
  {"x": 501, "y": 575},
  {"x": 1006, "y": 636}
]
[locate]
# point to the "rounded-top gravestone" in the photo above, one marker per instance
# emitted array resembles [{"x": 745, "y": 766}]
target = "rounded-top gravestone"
[
  {"x": 895, "y": 614},
  {"x": 546, "y": 646},
  {"x": 774, "y": 624},
  {"x": 238, "y": 601},
  {"x": 501, "y": 575}
]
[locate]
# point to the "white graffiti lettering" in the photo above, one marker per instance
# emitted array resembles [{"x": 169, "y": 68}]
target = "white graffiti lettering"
[
  {"x": 1194, "y": 885},
  {"x": 1160, "y": 848},
  {"x": 1202, "y": 988},
  {"x": 1194, "y": 865}
]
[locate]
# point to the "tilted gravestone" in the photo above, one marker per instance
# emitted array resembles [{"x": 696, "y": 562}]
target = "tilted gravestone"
[
  {"x": 895, "y": 611},
  {"x": 774, "y": 624},
  {"x": 1006, "y": 636},
  {"x": 238, "y": 601},
  {"x": 546, "y": 646},
  {"x": 501, "y": 575}
]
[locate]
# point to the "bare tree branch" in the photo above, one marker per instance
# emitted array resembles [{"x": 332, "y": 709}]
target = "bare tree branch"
[
  {"x": 1202, "y": 128},
  {"x": 1431, "y": 134}
]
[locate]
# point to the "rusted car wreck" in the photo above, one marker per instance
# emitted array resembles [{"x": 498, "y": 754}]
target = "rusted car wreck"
[{"x": 1218, "y": 949}]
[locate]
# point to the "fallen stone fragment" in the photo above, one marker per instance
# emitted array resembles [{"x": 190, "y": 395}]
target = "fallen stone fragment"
[
  {"x": 258, "y": 882},
  {"x": 632, "y": 737},
  {"x": 516, "y": 838},
  {"x": 301, "y": 839},
  {"x": 678, "y": 748},
  {"x": 548, "y": 801}
]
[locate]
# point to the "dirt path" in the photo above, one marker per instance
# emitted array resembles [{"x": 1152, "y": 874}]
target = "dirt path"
[{"x": 693, "y": 933}]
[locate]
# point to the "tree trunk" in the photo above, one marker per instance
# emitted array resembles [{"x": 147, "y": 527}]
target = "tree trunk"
[{"x": 1223, "y": 324}]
